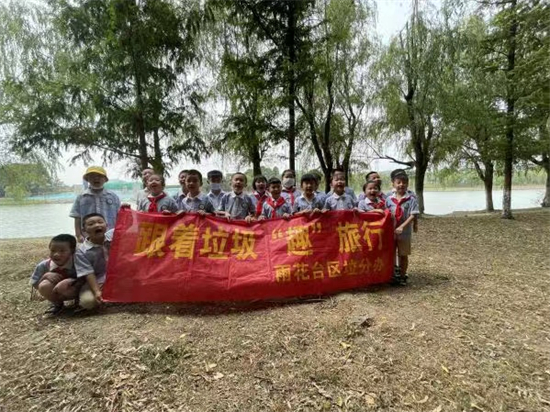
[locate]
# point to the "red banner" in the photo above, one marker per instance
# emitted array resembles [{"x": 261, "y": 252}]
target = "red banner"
[{"x": 163, "y": 258}]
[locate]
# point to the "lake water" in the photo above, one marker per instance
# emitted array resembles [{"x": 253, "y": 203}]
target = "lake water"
[{"x": 53, "y": 218}]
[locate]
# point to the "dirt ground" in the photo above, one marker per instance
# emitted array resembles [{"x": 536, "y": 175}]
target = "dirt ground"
[{"x": 470, "y": 333}]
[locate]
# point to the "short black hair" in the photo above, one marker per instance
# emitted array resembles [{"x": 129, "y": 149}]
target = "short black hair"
[
  {"x": 242, "y": 174},
  {"x": 370, "y": 181},
  {"x": 89, "y": 216},
  {"x": 214, "y": 173},
  {"x": 257, "y": 178},
  {"x": 401, "y": 176},
  {"x": 289, "y": 170},
  {"x": 65, "y": 238},
  {"x": 183, "y": 171},
  {"x": 308, "y": 177},
  {"x": 334, "y": 171},
  {"x": 370, "y": 173},
  {"x": 194, "y": 172},
  {"x": 397, "y": 172},
  {"x": 273, "y": 181}
]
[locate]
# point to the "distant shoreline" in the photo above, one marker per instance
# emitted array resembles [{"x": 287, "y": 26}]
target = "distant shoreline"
[{"x": 30, "y": 201}]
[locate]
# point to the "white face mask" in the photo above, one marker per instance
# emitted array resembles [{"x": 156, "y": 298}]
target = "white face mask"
[
  {"x": 215, "y": 187},
  {"x": 288, "y": 182}
]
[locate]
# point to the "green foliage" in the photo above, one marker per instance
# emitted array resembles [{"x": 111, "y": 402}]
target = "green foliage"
[
  {"x": 20, "y": 180},
  {"x": 115, "y": 79}
]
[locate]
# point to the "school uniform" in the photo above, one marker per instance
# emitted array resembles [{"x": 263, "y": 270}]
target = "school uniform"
[
  {"x": 339, "y": 202},
  {"x": 348, "y": 191},
  {"x": 401, "y": 209},
  {"x": 258, "y": 200},
  {"x": 239, "y": 206},
  {"x": 91, "y": 258},
  {"x": 362, "y": 196},
  {"x": 290, "y": 195},
  {"x": 194, "y": 204},
  {"x": 275, "y": 208},
  {"x": 48, "y": 265},
  {"x": 302, "y": 203},
  {"x": 367, "y": 205},
  {"x": 158, "y": 204},
  {"x": 104, "y": 201},
  {"x": 215, "y": 199}
]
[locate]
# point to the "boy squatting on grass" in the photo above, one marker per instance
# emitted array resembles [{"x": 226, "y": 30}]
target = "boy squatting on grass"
[
  {"x": 403, "y": 207},
  {"x": 55, "y": 278}
]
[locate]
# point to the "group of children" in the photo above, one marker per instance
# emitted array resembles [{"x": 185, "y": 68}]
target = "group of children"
[{"x": 77, "y": 271}]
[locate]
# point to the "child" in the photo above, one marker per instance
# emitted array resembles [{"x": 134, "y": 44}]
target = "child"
[
  {"x": 290, "y": 193},
  {"x": 157, "y": 201},
  {"x": 275, "y": 205},
  {"x": 347, "y": 190},
  {"x": 338, "y": 199},
  {"x": 375, "y": 177},
  {"x": 215, "y": 178},
  {"x": 372, "y": 200},
  {"x": 235, "y": 204},
  {"x": 144, "y": 177},
  {"x": 260, "y": 194},
  {"x": 404, "y": 208},
  {"x": 91, "y": 259},
  {"x": 409, "y": 193},
  {"x": 95, "y": 199},
  {"x": 195, "y": 201},
  {"x": 55, "y": 278},
  {"x": 183, "y": 188},
  {"x": 309, "y": 200}
]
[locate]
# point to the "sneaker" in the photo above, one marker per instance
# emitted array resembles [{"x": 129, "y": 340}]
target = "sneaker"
[{"x": 54, "y": 309}]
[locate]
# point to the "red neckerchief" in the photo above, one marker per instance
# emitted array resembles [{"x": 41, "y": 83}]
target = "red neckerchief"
[
  {"x": 291, "y": 193},
  {"x": 377, "y": 203},
  {"x": 277, "y": 203},
  {"x": 154, "y": 199},
  {"x": 398, "y": 208},
  {"x": 61, "y": 270},
  {"x": 260, "y": 197}
]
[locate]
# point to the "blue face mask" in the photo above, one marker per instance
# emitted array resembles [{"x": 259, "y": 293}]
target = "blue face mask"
[{"x": 215, "y": 187}]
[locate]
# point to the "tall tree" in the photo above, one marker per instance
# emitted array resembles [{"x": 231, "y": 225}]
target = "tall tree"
[
  {"x": 119, "y": 84},
  {"x": 283, "y": 28},
  {"x": 469, "y": 106},
  {"x": 410, "y": 74},
  {"x": 336, "y": 92}
]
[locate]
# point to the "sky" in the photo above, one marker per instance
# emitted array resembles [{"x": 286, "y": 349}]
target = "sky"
[{"x": 392, "y": 15}]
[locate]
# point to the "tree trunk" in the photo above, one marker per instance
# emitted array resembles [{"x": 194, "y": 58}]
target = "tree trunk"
[
  {"x": 510, "y": 116},
  {"x": 256, "y": 158},
  {"x": 488, "y": 183},
  {"x": 419, "y": 176},
  {"x": 291, "y": 50},
  {"x": 546, "y": 199},
  {"x": 157, "y": 163}
]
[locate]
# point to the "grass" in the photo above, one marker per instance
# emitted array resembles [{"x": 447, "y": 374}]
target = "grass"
[{"x": 470, "y": 333}]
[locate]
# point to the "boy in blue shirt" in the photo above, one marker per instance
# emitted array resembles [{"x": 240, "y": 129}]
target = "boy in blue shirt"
[
  {"x": 404, "y": 208},
  {"x": 338, "y": 199},
  {"x": 290, "y": 193},
  {"x": 55, "y": 278},
  {"x": 158, "y": 200},
  {"x": 275, "y": 205},
  {"x": 309, "y": 200},
  {"x": 236, "y": 204},
  {"x": 215, "y": 178},
  {"x": 95, "y": 199},
  {"x": 372, "y": 200},
  {"x": 260, "y": 193},
  {"x": 91, "y": 260},
  {"x": 195, "y": 201}
]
